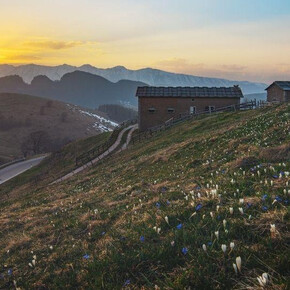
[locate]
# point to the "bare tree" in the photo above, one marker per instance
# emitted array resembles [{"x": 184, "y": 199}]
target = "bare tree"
[{"x": 37, "y": 142}]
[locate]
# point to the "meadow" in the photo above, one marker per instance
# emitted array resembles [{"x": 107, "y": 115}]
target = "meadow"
[{"x": 203, "y": 205}]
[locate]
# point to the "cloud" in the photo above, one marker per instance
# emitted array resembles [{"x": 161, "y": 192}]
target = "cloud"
[
  {"x": 24, "y": 57},
  {"x": 52, "y": 44},
  {"x": 180, "y": 65}
]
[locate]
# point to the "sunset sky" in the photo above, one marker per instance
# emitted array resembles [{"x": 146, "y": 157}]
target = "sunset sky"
[{"x": 234, "y": 39}]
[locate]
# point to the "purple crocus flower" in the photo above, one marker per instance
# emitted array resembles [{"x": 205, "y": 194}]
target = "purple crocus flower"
[
  {"x": 179, "y": 227},
  {"x": 127, "y": 282},
  {"x": 198, "y": 207},
  {"x": 10, "y": 272},
  {"x": 264, "y": 208},
  {"x": 158, "y": 204},
  {"x": 184, "y": 251},
  {"x": 142, "y": 239},
  {"x": 86, "y": 256}
]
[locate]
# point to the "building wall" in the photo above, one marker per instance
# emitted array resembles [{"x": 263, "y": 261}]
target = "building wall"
[
  {"x": 275, "y": 93},
  {"x": 180, "y": 106},
  {"x": 287, "y": 96}
]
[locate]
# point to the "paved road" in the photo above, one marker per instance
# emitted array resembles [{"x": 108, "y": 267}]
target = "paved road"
[
  {"x": 90, "y": 163},
  {"x": 15, "y": 169}
]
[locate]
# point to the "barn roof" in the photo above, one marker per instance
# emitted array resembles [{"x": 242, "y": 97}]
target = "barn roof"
[
  {"x": 190, "y": 92},
  {"x": 284, "y": 85}
]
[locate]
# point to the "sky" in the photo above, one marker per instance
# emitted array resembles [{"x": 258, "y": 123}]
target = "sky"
[{"x": 233, "y": 39}]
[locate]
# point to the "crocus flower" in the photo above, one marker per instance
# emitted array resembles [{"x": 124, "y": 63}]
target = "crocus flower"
[
  {"x": 198, "y": 207},
  {"x": 224, "y": 223},
  {"x": 217, "y": 234},
  {"x": 184, "y": 251},
  {"x": 127, "y": 282},
  {"x": 239, "y": 263},
  {"x": 217, "y": 208},
  {"x": 235, "y": 268},
  {"x": 224, "y": 248},
  {"x": 172, "y": 243},
  {"x": 231, "y": 210},
  {"x": 86, "y": 256},
  {"x": 241, "y": 210},
  {"x": 232, "y": 245},
  {"x": 263, "y": 280},
  {"x": 142, "y": 239},
  {"x": 204, "y": 247},
  {"x": 179, "y": 226},
  {"x": 166, "y": 219}
]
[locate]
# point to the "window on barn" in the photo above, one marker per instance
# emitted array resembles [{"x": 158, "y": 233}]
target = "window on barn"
[
  {"x": 210, "y": 108},
  {"x": 151, "y": 110},
  {"x": 170, "y": 110}
]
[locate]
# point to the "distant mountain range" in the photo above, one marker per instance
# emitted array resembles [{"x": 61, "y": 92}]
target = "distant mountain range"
[
  {"x": 152, "y": 77},
  {"x": 79, "y": 88}
]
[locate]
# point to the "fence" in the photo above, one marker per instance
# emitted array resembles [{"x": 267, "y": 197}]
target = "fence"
[
  {"x": 98, "y": 150},
  {"x": 186, "y": 116}
]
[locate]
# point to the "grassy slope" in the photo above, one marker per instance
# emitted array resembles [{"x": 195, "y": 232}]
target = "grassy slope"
[
  {"x": 37, "y": 114},
  {"x": 54, "y": 166},
  {"x": 106, "y": 211}
]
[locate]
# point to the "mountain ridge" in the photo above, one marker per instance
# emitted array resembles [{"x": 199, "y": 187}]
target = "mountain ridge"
[
  {"x": 78, "y": 88},
  {"x": 150, "y": 76}
]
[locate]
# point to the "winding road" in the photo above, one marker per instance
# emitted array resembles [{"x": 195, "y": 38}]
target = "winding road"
[
  {"x": 117, "y": 143},
  {"x": 15, "y": 169}
]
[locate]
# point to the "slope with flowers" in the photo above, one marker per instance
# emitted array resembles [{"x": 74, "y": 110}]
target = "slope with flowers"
[{"x": 203, "y": 205}]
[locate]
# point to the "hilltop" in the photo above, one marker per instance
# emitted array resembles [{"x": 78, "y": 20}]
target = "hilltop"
[
  {"x": 21, "y": 116},
  {"x": 174, "y": 211}
]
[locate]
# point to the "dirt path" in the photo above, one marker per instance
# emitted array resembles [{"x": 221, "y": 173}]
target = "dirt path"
[{"x": 106, "y": 153}]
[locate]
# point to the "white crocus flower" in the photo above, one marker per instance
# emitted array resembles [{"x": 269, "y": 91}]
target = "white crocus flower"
[
  {"x": 239, "y": 263},
  {"x": 204, "y": 247},
  {"x": 217, "y": 208},
  {"x": 231, "y": 210},
  {"x": 263, "y": 280},
  {"x": 241, "y": 210},
  {"x": 211, "y": 214},
  {"x": 224, "y": 248},
  {"x": 241, "y": 200},
  {"x": 33, "y": 262},
  {"x": 235, "y": 268},
  {"x": 166, "y": 219},
  {"x": 224, "y": 223},
  {"x": 217, "y": 234},
  {"x": 272, "y": 228},
  {"x": 158, "y": 230},
  {"x": 232, "y": 245}
]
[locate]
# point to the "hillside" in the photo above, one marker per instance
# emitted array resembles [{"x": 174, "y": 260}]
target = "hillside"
[
  {"x": 79, "y": 88},
  {"x": 21, "y": 116},
  {"x": 173, "y": 212},
  {"x": 153, "y": 77}
]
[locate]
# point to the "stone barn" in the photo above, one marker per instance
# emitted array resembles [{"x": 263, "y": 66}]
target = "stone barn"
[
  {"x": 279, "y": 91},
  {"x": 157, "y": 105}
]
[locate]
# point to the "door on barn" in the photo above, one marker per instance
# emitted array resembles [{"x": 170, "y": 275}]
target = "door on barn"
[{"x": 192, "y": 110}]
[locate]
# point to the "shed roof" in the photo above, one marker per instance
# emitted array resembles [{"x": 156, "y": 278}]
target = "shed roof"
[
  {"x": 190, "y": 92},
  {"x": 284, "y": 85}
]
